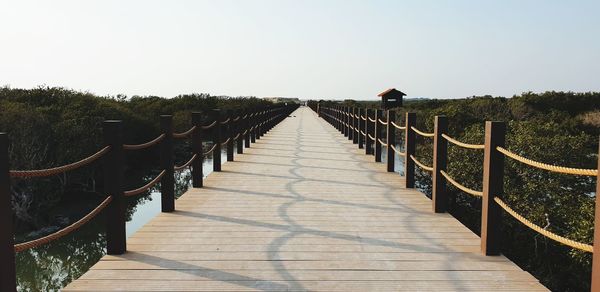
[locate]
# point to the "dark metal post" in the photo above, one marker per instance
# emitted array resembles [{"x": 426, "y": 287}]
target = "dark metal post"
[
  {"x": 8, "y": 278},
  {"x": 493, "y": 177},
  {"x": 361, "y": 129},
  {"x": 410, "y": 149},
  {"x": 116, "y": 242},
  {"x": 216, "y": 116},
  {"x": 377, "y": 129},
  {"x": 197, "y": 173},
  {"x": 368, "y": 131},
  {"x": 390, "y": 140},
  {"x": 596, "y": 254},
  {"x": 167, "y": 182},
  {"x": 439, "y": 197}
]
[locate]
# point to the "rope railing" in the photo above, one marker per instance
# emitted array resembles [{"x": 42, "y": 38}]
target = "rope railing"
[
  {"x": 144, "y": 145},
  {"x": 549, "y": 167},
  {"x": 209, "y": 125},
  {"x": 424, "y": 134},
  {"x": 210, "y": 150},
  {"x": 188, "y": 163},
  {"x": 225, "y": 142},
  {"x": 397, "y": 150},
  {"x": 19, "y": 247},
  {"x": 59, "y": 169},
  {"x": 184, "y": 134},
  {"x": 146, "y": 186},
  {"x": 461, "y": 144},
  {"x": 495, "y": 134},
  {"x": 459, "y": 186},
  {"x": 225, "y": 121},
  {"x": 398, "y": 126},
  {"x": 237, "y": 118},
  {"x": 542, "y": 231},
  {"x": 421, "y": 165}
]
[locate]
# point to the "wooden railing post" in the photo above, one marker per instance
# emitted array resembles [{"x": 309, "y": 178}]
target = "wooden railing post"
[
  {"x": 8, "y": 278},
  {"x": 346, "y": 119},
  {"x": 493, "y": 177},
  {"x": 361, "y": 129},
  {"x": 368, "y": 131},
  {"x": 246, "y": 126},
  {"x": 377, "y": 129},
  {"x": 167, "y": 182},
  {"x": 409, "y": 149},
  {"x": 197, "y": 172},
  {"x": 229, "y": 130},
  {"x": 259, "y": 117},
  {"x": 252, "y": 124},
  {"x": 239, "y": 131},
  {"x": 390, "y": 139},
  {"x": 349, "y": 121},
  {"x": 116, "y": 241},
  {"x": 216, "y": 116},
  {"x": 353, "y": 135},
  {"x": 596, "y": 254},
  {"x": 439, "y": 197}
]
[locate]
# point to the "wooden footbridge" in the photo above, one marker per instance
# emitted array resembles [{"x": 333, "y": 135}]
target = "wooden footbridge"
[{"x": 303, "y": 209}]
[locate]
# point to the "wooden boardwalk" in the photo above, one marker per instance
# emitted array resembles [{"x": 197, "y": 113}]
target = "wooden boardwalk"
[{"x": 303, "y": 209}]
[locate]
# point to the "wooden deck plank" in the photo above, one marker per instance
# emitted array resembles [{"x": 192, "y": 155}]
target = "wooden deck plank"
[{"x": 303, "y": 209}]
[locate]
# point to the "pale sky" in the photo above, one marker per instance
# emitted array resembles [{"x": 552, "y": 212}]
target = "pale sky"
[{"x": 308, "y": 49}]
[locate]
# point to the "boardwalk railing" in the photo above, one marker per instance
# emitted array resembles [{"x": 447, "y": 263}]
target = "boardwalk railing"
[
  {"x": 370, "y": 130},
  {"x": 222, "y": 128}
]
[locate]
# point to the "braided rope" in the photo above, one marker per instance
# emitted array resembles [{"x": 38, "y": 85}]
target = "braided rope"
[
  {"x": 237, "y": 136},
  {"x": 549, "y": 167},
  {"x": 209, "y": 126},
  {"x": 211, "y": 150},
  {"x": 146, "y": 186},
  {"x": 398, "y": 126},
  {"x": 144, "y": 145},
  {"x": 363, "y": 133},
  {"x": 357, "y": 130},
  {"x": 461, "y": 187},
  {"x": 461, "y": 144},
  {"x": 372, "y": 120},
  {"x": 184, "y": 134},
  {"x": 363, "y": 118},
  {"x": 225, "y": 142},
  {"x": 381, "y": 142},
  {"x": 371, "y": 137},
  {"x": 19, "y": 247},
  {"x": 397, "y": 151},
  {"x": 59, "y": 169},
  {"x": 188, "y": 163},
  {"x": 225, "y": 121},
  {"x": 237, "y": 118},
  {"x": 424, "y": 134},
  {"x": 421, "y": 165},
  {"x": 542, "y": 231},
  {"x": 382, "y": 122}
]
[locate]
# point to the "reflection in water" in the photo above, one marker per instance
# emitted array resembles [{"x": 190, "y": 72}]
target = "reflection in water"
[{"x": 54, "y": 265}]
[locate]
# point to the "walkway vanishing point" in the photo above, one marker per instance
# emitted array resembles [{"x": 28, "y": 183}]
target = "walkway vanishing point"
[{"x": 303, "y": 209}]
